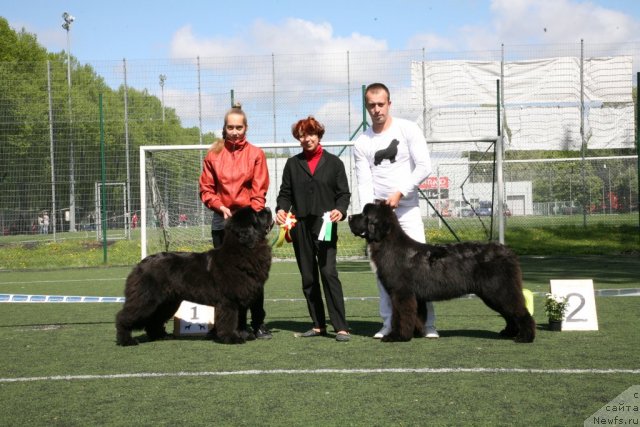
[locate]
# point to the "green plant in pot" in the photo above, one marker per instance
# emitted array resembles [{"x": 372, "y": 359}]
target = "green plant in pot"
[{"x": 555, "y": 307}]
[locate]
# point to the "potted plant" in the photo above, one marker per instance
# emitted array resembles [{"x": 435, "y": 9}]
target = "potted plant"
[{"x": 555, "y": 307}]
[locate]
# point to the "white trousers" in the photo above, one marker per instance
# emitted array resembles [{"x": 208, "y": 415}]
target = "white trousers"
[{"x": 411, "y": 222}]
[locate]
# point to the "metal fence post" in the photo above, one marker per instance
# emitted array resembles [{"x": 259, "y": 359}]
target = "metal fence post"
[
  {"x": 499, "y": 175},
  {"x": 51, "y": 153},
  {"x": 127, "y": 219},
  {"x": 583, "y": 140},
  {"x": 638, "y": 144}
]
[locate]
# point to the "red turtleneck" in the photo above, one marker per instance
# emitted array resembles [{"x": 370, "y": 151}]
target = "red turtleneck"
[{"x": 313, "y": 158}]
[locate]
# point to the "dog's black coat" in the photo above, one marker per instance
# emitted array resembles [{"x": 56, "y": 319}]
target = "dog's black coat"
[
  {"x": 228, "y": 278},
  {"x": 388, "y": 153},
  {"x": 413, "y": 273}
]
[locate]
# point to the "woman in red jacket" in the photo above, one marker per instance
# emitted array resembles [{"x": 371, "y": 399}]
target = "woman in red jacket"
[{"x": 234, "y": 175}]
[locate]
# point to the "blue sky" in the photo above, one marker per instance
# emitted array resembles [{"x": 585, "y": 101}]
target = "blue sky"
[{"x": 144, "y": 29}]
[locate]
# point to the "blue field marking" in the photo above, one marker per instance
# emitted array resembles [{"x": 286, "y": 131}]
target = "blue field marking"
[{"x": 41, "y": 299}]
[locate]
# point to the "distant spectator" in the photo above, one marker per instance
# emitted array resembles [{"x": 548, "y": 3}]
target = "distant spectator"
[
  {"x": 40, "y": 224},
  {"x": 134, "y": 220},
  {"x": 183, "y": 220},
  {"x": 45, "y": 223}
]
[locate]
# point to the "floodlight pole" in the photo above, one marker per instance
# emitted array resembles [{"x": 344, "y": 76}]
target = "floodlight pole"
[{"x": 68, "y": 20}]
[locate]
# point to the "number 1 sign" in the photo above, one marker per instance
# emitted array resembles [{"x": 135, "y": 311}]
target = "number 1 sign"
[
  {"x": 193, "y": 319},
  {"x": 581, "y": 313}
]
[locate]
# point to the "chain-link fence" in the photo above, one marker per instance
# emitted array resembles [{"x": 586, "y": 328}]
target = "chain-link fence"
[{"x": 576, "y": 100}]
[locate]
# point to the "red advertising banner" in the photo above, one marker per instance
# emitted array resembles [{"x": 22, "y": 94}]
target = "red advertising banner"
[{"x": 431, "y": 183}]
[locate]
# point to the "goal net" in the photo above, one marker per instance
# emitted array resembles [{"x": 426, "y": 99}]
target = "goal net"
[{"x": 457, "y": 200}]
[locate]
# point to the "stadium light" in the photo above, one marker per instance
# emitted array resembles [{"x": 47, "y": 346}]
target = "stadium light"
[{"x": 68, "y": 20}]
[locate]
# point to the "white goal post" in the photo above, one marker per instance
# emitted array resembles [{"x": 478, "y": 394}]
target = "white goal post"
[{"x": 172, "y": 217}]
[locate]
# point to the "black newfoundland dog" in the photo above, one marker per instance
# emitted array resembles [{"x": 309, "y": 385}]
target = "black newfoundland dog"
[
  {"x": 228, "y": 278},
  {"x": 413, "y": 273}
]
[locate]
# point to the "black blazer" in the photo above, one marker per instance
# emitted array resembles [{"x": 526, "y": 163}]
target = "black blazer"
[{"x": 312, "y": 195}]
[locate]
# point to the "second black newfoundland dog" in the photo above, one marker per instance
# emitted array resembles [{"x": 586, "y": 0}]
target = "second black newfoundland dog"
[
  {"x": 228, "y": 278},
  {"x": 413, "y": 273}
]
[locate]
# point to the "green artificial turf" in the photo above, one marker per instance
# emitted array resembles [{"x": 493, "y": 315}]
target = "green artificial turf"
[{"x": 60, "y": 365}]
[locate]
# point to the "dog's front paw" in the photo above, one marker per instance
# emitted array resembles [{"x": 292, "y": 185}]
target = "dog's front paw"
[
  {"x": 125, "y": 342},
  {"x": 395, "y": 337},
  {"x": 524, "y": 338},
  {"x": 230, "y": 339},
  {"x": 508, "y": 333}
]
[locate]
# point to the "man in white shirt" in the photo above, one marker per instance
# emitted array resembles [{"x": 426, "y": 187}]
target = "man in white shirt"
[{"x": 391, "y": 160}]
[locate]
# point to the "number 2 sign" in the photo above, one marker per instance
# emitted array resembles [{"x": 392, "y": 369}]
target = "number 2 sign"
[{"x": 581, "y": 313}]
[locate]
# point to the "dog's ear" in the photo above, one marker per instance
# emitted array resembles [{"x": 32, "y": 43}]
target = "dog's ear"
[{"x": 265, "y": 218}]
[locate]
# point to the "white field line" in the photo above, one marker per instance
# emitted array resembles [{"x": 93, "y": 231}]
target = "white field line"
[{"x": 327, "y": 371}]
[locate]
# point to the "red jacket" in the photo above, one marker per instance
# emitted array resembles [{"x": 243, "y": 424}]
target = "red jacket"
[{"x": 235, "y": 177}]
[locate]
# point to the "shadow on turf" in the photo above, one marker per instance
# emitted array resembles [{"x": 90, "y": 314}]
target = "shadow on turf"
[
  {"x": 363, "y": 328},
  {"x": 369, "y": 328}
]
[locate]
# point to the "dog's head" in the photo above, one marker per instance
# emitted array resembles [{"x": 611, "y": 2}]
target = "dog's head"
[
  {"x": 248, "y": 226},
  {"x": 374, "y": 223}
]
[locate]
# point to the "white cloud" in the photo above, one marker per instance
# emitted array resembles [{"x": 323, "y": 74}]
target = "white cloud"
[
  {"x": 187, "y": 45},
  {"x": 299, "y": 46},
  {"x": 516, "y": 22},
  {"x": 290, "y": 37}
]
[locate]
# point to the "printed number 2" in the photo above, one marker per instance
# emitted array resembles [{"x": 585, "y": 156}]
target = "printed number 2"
[
  {"x": 570, "y": 316},
  {"x": 195, "y": 312}
]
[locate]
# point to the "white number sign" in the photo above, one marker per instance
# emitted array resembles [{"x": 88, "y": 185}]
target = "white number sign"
[
  {"x": 581, "y": 313},
  {"x": 193, "y": 319}
]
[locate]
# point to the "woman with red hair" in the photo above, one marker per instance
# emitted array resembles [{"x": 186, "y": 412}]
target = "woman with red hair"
[{"x": 316, "y": 190}]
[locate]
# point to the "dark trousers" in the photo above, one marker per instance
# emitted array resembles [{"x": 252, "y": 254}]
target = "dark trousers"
[
  {"x": 257, "y": 308},
  {"x": 317, "y": 261}
]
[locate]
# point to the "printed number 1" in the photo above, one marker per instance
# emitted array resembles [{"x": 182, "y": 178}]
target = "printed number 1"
[
  {"x": 195, "y": 312},
  {"x": 570, "y": 316}
]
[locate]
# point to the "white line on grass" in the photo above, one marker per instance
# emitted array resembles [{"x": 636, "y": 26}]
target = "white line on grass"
[{"x": 326, "y": 371}]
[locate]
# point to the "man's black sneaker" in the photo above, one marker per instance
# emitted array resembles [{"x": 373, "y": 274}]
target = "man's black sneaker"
[{"x": 262, "y": 333}]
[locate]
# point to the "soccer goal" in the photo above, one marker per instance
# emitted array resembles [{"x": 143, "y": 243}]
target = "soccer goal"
[{"x": 173, "y": 217}]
